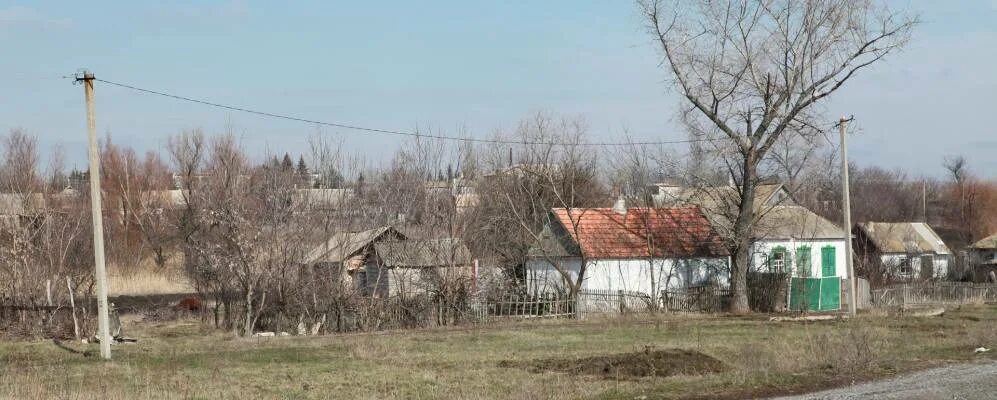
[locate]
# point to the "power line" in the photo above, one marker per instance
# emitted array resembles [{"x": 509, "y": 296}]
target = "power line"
[{"x": 394, "y": 132}]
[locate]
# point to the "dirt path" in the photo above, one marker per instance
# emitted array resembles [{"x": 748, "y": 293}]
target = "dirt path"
[{"x": 963, "y": 381}]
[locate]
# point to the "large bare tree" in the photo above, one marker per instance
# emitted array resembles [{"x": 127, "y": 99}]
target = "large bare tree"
[{"x": 753, "y": 70}]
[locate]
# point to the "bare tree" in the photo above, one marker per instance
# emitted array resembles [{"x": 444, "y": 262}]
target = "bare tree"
[
  {"x": 753, "y": 70},
  {"x": 527, "y": 187}
]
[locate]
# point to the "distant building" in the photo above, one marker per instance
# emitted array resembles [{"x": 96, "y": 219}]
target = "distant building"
[
  {"x": 415, "y": 267},
  {"x": 983, "y": 258},
  {"x": 345, "y": 255},
  {"x": 904, "y": 250}
]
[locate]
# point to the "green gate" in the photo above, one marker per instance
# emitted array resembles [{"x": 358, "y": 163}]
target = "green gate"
[{"x": 815, "y": 294}]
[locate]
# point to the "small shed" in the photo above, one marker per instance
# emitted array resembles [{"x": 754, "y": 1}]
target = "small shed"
[
  {"x": 346, "y": 254},
  {"x": 983, "y": 257},
  {"x": 412, "y": 267}
]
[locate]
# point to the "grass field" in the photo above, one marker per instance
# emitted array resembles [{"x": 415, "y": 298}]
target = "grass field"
[{"x": 183, "y": 360}]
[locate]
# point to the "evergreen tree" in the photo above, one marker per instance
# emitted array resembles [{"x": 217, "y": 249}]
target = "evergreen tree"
[
  {"x": 302, "y": 167},
  {"x": 286, "y": 164}
]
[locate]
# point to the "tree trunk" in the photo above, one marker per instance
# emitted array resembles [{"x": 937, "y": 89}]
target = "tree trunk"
[
  {"x": 249, "y": 312},
  {"x": 742, "y": 240}
]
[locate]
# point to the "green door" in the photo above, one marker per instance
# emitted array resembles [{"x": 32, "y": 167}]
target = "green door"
[{"x": 827, "y": 258}]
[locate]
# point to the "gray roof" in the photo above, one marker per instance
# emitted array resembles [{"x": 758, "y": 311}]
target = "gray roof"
[
  {"x": 987, "y": 243},
  {"x": 550, "y": 244},
  {"x": 343, "y": 245},
  {"x": 328, "y": 198},
  {"x": 903, "y": 237},
  {"x": 795, "y": 222},
  {"x": 719, "y": 199},
  {"x": 423, "y": 253}
]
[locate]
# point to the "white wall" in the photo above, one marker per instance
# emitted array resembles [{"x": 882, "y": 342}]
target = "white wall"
[
  {"x": 762, "y": 248},
  {"x": 892, "y": 261},
  {"x": 633, "y": 275}
]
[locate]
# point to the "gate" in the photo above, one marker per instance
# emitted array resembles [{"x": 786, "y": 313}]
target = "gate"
[{"x": 815, "y": 294}]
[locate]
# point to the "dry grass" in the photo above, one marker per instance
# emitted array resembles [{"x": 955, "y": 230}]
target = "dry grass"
[
  {"x": 186, "y": 361},
  {"x": 147, "y": 282},
  {"x": 147, "y": 279}
]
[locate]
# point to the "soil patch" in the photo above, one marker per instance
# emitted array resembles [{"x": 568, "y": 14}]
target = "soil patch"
[{"x": 625, "y": 366}]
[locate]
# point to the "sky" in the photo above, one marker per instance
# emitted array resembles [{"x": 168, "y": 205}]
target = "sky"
[{"x": 443, "y": 64}]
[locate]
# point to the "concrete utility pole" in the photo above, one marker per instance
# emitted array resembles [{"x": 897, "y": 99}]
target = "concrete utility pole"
[
  {"x": 845, "y": 202},
  {"x": 100, "y": 272}
]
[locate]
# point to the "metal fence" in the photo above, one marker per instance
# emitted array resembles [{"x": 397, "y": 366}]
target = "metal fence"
[{"x": 934, "y": 293}]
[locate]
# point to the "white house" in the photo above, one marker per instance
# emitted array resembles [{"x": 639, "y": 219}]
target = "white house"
[
  {"x": 905, "y": 250},
  {"x": 644, "y": 250},
  {"x": 792, "y": 239},
  {"x": 787, "y": 239}
]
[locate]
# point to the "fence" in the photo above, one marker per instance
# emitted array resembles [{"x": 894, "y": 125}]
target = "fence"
[
  {"x": 698, "y": 299},
  {"x": 38, "y": 320},
  {"x": 619, "y": 301},
  {"x": 934, "y": 293}
]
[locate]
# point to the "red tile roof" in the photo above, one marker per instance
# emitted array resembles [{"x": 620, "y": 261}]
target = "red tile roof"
[{"x": 641, "y": 232}]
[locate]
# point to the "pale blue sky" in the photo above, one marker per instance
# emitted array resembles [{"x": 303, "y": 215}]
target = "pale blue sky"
[{"x": 397, "y": 65}]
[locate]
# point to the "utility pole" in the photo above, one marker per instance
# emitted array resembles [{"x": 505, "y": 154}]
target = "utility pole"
[
  {"x": 843, "y": 126},
  {"x": 100, "y": 272}
]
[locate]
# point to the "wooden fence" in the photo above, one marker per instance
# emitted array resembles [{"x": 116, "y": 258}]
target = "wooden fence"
[
  {"x": 615, "y": 301},
  {"x": 698, "y": 299},
  {"x": 934, "y": 293}
]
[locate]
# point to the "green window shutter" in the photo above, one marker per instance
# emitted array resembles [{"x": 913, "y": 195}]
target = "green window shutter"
[
  {"x": 827, "y": 257},
  {"x": 803, "y": 261}
]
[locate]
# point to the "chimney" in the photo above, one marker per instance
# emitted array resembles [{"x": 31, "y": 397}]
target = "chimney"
[{"x": 620, "y": 207}]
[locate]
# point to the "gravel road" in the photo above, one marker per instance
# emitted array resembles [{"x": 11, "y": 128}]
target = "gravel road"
[{"x": 964, "y": 381}]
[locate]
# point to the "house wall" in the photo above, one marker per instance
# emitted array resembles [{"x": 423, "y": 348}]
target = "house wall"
[
  {"x": 761, "y": 249},
  {"x": 893, "y": 260},
  {"x": 390, "y": 282},
  {"x": 981, "y": 256},
  {"x": 633, "y": 275}
]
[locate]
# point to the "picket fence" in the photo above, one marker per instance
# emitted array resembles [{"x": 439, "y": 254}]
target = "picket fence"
[{"x": 940, "y": 293}]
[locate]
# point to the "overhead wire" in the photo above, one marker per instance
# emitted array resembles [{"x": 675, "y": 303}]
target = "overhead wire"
[{"x": 397, "y": 132}]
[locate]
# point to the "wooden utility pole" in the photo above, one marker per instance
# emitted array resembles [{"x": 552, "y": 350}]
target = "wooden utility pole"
[
  {"x": 100, "y": 272},
  {"x": 846, "y": 204}
]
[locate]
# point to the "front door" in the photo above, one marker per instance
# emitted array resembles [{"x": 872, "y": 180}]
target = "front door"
[{"x": 927, "y": 267}]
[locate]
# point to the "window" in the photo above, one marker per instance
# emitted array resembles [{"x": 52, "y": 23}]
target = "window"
[
  {"x": 803, "y": 262},
  {"x": 778, "y": 262},
  {"x": 904, "y": 266}
]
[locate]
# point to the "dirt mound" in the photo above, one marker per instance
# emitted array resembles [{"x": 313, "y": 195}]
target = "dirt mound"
[{"x": 628, "y": 365}]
